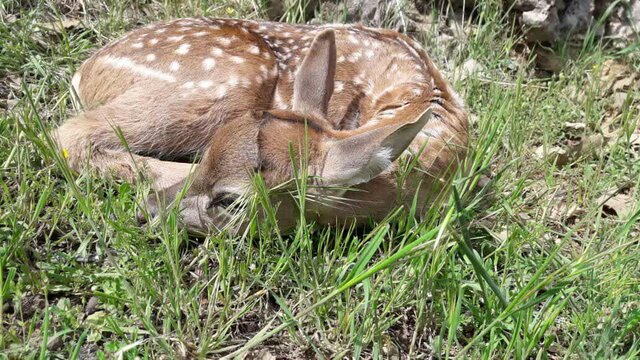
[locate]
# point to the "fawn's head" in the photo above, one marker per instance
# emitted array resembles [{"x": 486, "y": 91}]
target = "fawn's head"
[{"x": 278, "y": 144}]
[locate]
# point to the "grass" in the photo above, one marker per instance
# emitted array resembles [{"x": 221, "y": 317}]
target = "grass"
[{"x": 526, "y": 259}]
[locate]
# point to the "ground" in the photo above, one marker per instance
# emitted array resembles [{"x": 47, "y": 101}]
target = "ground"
[{"x": 537, "y": 259}]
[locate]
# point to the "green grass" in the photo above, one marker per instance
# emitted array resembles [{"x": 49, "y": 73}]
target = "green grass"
[{"x": 528, "y": 262}]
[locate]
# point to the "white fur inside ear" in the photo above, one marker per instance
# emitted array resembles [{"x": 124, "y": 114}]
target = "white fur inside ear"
[
  {"x": 379, "y": 162},
  {"x": 350, "y": 173}
]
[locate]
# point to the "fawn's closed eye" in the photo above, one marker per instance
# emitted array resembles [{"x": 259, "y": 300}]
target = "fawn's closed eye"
[{"x": 224, "y": 199}]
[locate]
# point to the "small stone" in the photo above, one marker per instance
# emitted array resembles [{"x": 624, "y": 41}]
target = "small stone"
[
  {"x": 92, "y": 305},
  {"x": 54, "y": 343}
]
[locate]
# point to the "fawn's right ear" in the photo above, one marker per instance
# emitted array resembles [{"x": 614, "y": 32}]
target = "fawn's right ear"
[
  {"x": 359, "y": 158},
  {"x": 313, "y": 85}
]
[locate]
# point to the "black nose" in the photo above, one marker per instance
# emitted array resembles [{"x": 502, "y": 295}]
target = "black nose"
[
  {"x": 141, "y": 218},
  {"x": 148, "y": 210}
]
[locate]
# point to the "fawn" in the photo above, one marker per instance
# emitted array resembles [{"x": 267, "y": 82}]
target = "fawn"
[{"x": 244, "y": 94}]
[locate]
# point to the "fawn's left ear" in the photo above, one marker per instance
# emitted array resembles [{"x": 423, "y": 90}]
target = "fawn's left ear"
[
  {"x": 360, "y": 158},
  {"x": 313, "y": 85}
]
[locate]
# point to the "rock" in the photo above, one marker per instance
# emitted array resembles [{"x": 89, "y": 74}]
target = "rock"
[
  {"x": 32, "y": 303},
  {"x": 539, "y": 18},
  {"x": 547, "y": 21},
  {"x": 92, "y": 305},
  {"x": 382, "y": 13},
  {"x": 54, "y": 343},
  {"x": 623, "y": 25},
  {"x": 369, "y": 12}
]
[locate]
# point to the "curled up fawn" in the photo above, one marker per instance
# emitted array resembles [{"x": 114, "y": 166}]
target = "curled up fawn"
[{"x": 248, "y": 95}]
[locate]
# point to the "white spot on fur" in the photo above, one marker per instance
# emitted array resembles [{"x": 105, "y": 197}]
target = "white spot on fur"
[
  {"x": 205, "y": 84},
  {"x": 237, "y": 59},
  {"x": 254, "y": 50},
  {"x": 153, "y": 41},
  {"x": 208, "y": 63},
  {"x": 200, "y": 34},
  {"x": 246, "y": 83},
  {"x": 175, "y": 38},
  {"x": 221, "y": 91},
  {"x": 174, "y": 66},
  {"x": 233, "y": 81},
  {"x": 137, "y": 45},
  {"x": 352, "y": 39},
  {"x": 160, "y": 31},
  {"x": 224, "y": 41},
  {"x": 150, "y": 57},
  {"x": 183, "y": 49},
  {"x": 355, "y": 57},
  {"x": 369, "y": 54},
  {"x": 338, "y": 86},
  {"x": 126, "y": 63},
  {"x": 188, "y": 85},
  {"x": 341, "y": 58},
  {"x": 217, "y": 51}
]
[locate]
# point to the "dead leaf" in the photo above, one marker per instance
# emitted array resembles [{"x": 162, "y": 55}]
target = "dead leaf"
[
  {"x": 562, "y": 212},
  {"x": 619, "y": 205},
  {"x": 554, "y": 155},
  {"x": 574, "y": 146},
  {"x": 469, "y": 68},
  {"x": 58, "y": 26},
  {"x": 617, "y": 76}
]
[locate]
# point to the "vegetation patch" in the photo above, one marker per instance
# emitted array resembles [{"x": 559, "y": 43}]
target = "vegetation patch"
[{"x": 534, "y": 255}]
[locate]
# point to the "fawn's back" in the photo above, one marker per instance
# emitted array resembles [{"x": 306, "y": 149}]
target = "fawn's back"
[{"x": 196, "y": 73}]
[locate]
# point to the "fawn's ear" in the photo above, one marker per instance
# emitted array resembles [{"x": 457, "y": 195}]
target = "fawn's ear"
[
  {"x": 359, "y": 158},
  {"x": 313, "y": 85}
]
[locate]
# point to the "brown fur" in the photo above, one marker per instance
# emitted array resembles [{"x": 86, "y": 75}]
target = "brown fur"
[{"x": 232, "y": 96}]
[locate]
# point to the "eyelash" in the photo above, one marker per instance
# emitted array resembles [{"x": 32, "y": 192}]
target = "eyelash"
[
  {"x": 224, "y": 200},
  {"x": 390, "y": 109}
]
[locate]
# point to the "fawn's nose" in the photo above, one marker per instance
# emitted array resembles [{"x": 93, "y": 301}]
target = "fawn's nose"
[
  {"x": 141, "y": 218},
  {"x": 148, "y": 210}
]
